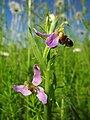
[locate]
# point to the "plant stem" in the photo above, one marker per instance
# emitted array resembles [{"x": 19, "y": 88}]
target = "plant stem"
[
  {"x": 29, "y": 13},
  {"x": 62, "y": 109},
  {"x": 46, "y": 73},
  {"x": 47, "y": 106},
  {"x": 45, "y": 54}
]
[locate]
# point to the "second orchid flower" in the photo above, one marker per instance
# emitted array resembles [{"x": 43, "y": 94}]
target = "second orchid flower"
[{"x": 33, "y": 87}]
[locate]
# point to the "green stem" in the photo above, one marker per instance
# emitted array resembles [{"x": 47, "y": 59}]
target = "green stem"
[
  {"x": 62, "y": 109},
  {"x": 47, "y": 106},
  {"x": 45, "y": 54}
]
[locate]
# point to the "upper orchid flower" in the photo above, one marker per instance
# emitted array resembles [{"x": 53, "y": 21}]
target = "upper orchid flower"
[
  {"x": 52, "y": 40},
  {"x": 33, "y": 87},
  {"x": 56, "y": 37}
]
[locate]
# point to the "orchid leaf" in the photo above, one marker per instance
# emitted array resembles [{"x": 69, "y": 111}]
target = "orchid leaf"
[{"x": 85, "y": 23}]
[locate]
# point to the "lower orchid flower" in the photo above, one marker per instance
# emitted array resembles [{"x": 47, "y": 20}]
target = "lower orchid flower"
[{"x": 33, "y": 87}]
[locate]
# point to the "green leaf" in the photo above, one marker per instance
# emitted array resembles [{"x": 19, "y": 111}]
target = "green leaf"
[
  {"x": 35, "y": 50},
  {"x": 53, "y": 25},
  {"x": 85, "y": 23}
]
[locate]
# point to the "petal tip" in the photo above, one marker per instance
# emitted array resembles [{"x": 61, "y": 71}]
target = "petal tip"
[
  {"x": 36, "y": 67},
  {"x": 35, "y": 30},
  {"x": 41, "y": 95}
]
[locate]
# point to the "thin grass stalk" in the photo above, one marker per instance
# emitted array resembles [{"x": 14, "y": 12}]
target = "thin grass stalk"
[
  {"x": 3, "y": 7},
  {"x": 29, "y": 52},
  {"x": 64, "y": 79},
  {"x": 70, "y": 9},
  {"x": 62, "y": 109}
]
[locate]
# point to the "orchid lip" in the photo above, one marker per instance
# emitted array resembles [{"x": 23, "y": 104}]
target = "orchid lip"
[{"x": 53, "y": 40}]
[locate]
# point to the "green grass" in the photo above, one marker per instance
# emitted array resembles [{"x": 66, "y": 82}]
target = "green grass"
[{"x": 73, "y": 84}]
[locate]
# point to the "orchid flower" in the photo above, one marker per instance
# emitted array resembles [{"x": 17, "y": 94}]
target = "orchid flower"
[
  {"x": 33, "y": 87},
  {"x": 52, "y": 40},
  {"x": 56, "y": 37}
]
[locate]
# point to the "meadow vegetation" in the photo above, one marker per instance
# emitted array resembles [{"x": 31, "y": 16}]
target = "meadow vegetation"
[{"x": 66, "y": 70}]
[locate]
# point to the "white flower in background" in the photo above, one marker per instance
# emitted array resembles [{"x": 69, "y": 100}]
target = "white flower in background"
[
  {"x": 15, "y": 7},
  {"x": 59, "y": 3},
  {"x": 77, "y": 50},
  {"x": 63, "y": 16},
  {"x": 78, "y": 15},
  {"x": 6, "y": 54},
  {"x": 81, "y": 32}
]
